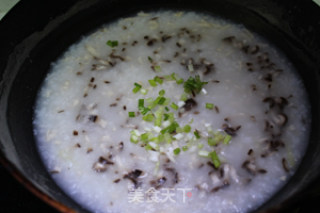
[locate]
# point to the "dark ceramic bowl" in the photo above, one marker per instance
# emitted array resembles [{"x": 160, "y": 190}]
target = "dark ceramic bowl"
[{"x": 35, "y": 33}]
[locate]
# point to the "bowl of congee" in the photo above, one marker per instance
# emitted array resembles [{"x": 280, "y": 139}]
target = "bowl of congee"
[{"x": 162, "y": 106}]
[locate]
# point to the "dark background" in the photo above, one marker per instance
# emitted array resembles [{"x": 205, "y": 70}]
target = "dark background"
[{"x": 14, "y": 197}]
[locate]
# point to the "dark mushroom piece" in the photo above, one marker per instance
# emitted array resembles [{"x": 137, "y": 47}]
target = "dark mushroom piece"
[{"x": 101, "y": 165}]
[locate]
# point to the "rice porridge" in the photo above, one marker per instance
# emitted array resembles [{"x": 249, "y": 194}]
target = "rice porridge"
[{"x": 171, "y": 112}]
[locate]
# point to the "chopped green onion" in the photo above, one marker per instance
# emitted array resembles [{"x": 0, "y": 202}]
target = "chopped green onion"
[
  {"x": 171, "y": 117},
  {"x": 142, "y": 109},
  {"x": 168, "y": 137},
  {"x": 167, "y": 109},
  {"x": 155, "y": 139},
  {"x": 141, "y": 104},
  {"x": 180, "y": 81},
  {"x": 174, "y": 76},
  {"x": 215, "y": 159},
  {"x": 152, "y": 83},
  {"x": 179, "y": 130},
  {"x": 157, "y": 68},
  {"x": 167, "y": 101},
  {"x": 187, "y": 128},
  {"x": 131, "y": 114},
  {"x": 112, "y": 43},
  {"x": 134, "y": 138},
  {"x": 145, "y": 137},
  {"x": 158, "y": 80},
  {"x": 176, "y": 151},
  {"x": 203, "y": 153},
  {"x": 193, "y": 85},
  {"x": 196, "y": 133},
  {"x": 158, "y": 114},
  {"x": 227, "y": 139},
  {"x": 161, "y": 101},
  {"x": 218, "y": 137},
  {"x": 148, "y": 117},
  {"x": 184, "y": 97},
  {"x": 171, "y": 128},
  {"x": 144, "y": 91},
  {"x": 154, "y": 103},
  {"x": 174, "y": 106},
  {"x": 149, "y": 100},
  {"x": 211, "y": 141},
  {"x": 162, "y": 92},
  {"x": 148, "y": 147},
  {"x": 168, "y": 77},
  {"x": 145, "y": 110},
  {"x": 160, "y": 138},
  {"x": 185, "y": 148},
  {"x": 137, "y": 88},
  {"x": 137, "y": 85},
  {"x": 166, "y": 117},
  {"x": 209, "y": 105},
  {"x": 150, "y": 59}
]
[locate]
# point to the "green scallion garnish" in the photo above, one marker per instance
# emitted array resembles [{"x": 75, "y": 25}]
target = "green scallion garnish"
[
  {"x": 131, "y": 114},
  {"x": 203, "y": 153},
  {"x": 227, "y": 139},
  {"x": 157, "y": 68},
  {"x": 145, "y": 137},
  {"x": 187, "y": 128},
  {"x": 174, "y": 76},
  {"x": 209, "y": 105},
  {"x": 176, "y": 151},
  {"x": 158, "y": 115},
  {"x": 171, "y": 117},
  {"x": 185, "y": 148},
  {"x": 179, "y": 81},
  {"x": 152, "y": 83},
  {"x": 215, "y": 159},
  {"x": 174, "y": 106},
  {"x": 148, "y": 117},
  {"x": 158, "y": 80},
  {"x": 141, "y": 104},
  {"x": 193, "y": 85},
  {"x": 165, "y": 117},
  {"x": 136, "y": 88},
  {"x": 184, "y": 97},
  {"x": 171, "y": 128},
  {"x": 161, "y": 100},
  {"x": 162, "y": 92},
  {"x": 144, "y": 91},
  {"x": 112, "y": 44},
  {"x": 196, "y": 133},
  {"x": 145, "y": 110},
  {"x": 148, "y": 147},
  {"x": 134, "y": 138},
  {"x": 167, "y": 137},
  {"x": 211, "y": 141}
]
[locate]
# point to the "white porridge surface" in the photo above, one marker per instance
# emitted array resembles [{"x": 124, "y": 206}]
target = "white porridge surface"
[{"x": 171, "y": 112}]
